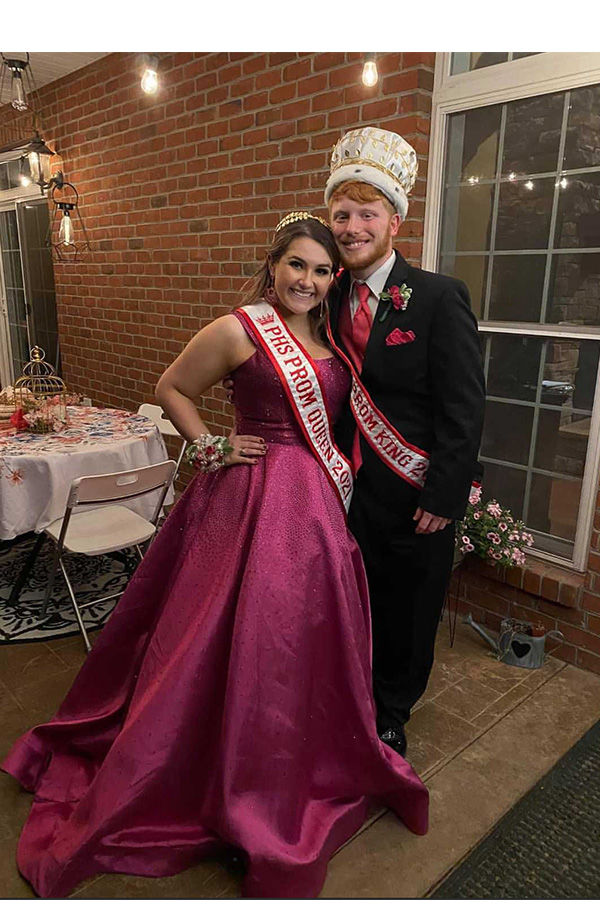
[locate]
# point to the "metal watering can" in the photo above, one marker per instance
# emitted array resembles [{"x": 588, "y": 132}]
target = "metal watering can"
[{"x": 519, "y": 643}]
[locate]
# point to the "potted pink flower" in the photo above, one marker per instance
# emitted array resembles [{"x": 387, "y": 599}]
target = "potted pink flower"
[{"x": 491, "y": 532}]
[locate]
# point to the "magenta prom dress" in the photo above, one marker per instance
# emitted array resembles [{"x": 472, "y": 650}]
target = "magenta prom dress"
[{"x": 228, "y": 701}]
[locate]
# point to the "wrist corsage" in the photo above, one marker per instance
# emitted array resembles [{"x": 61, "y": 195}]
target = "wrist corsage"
[{"x": 207, "y": 453}]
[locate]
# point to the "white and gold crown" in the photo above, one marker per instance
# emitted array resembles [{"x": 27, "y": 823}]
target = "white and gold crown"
[{"x": 381, "y": 158}]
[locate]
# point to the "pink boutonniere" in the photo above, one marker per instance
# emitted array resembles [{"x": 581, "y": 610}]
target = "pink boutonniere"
[{"x": 395, "y": 296}]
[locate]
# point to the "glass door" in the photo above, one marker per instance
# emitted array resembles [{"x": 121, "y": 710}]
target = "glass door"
[
  {"x": 13, "y": 303},
  {"x": 27, "y": 295}
]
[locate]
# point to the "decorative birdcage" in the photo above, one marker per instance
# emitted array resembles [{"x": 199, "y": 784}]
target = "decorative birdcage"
[{"x": 40, "y": 396}]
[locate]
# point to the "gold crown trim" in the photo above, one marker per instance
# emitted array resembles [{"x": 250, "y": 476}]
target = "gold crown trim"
[
  {"x": 353, "y": 160},
  {"x": 300, "y": 216}
]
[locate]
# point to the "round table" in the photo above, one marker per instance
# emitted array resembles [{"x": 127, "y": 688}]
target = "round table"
[{"x": 36, "y": 470}]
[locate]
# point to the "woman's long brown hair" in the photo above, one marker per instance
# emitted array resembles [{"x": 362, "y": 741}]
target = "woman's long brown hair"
[{"x": 255, "y": 288}]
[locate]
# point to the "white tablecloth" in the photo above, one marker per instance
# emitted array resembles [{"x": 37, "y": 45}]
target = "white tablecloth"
[{"x": 36, "y": 470}]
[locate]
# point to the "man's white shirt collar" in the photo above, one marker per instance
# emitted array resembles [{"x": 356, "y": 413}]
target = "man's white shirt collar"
[{"x": 376, "y": 282}]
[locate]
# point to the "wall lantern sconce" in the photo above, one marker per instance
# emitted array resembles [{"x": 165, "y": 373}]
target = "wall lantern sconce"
[
  {"x": 22, "y": 82},
  {"x": 370, "y": 76},
  {"x": 149, "y": 82},
  {"x": 67, "y": 238},
  {"x": 34, "y": 165}
]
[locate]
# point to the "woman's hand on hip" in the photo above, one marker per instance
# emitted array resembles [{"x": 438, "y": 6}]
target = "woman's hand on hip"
[{"x": 246, "y": 449}]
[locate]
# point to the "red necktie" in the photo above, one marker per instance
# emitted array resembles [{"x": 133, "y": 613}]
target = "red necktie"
[
  {"x": 361, "y": 329},
  {"x": 362, "y": 319}
]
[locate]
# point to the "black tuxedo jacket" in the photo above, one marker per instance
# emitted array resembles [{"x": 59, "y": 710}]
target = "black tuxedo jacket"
[{"x": 431, "y": 389}]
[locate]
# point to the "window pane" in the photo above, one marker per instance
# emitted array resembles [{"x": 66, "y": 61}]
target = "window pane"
[
  {"x": 473, "y": 144},
  {"x": 532, "y": 135},
  {"x": 582, "y": 147},
  {"x": 578, "y": 217},
  {"x": 505, "y": 485},
  {"x": 466, "y": 62},
  {"x": 524, "y": 212},
  {"x": 517, "y": 288},
  {"x": 554, "y": 505},
  {"x": 574, "y": 289},
  {"x": 14, "y": 171},
  {"x": 514, "y": 365},
  {"x": 570, "y": 373},
  {"x": 473, "y": 271},
  {"x": 507, "y": 432},
  {"x": 561, "y": 443},
  {"x": 467, "y": 217}
]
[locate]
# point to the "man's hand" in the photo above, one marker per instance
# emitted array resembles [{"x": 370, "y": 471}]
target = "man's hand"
[
  {"x": 428, "y": 523},
  {"x": 227, "y": 383}
]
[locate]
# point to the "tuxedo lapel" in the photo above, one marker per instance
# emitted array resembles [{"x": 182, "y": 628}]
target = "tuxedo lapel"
[{"x": 397, "y": 276}]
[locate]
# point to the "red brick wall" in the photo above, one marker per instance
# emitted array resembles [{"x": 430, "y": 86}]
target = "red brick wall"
[{"x": 181, "y": 191}]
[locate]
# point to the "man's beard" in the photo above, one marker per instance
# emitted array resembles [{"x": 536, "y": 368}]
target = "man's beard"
[{"x": 371, "y": 253}]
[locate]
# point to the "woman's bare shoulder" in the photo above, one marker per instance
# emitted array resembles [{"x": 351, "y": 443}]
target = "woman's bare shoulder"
[{"x": 229, "y": 330}]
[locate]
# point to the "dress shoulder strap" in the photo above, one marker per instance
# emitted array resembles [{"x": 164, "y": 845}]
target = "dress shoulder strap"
[{"x": 247, "y": 328}]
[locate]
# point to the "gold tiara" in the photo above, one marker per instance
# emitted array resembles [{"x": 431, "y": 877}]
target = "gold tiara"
[{"x": 300, "y": 216}]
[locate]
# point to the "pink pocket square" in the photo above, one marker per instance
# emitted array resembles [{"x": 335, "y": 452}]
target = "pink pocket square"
[{"x": 399, "y": 337}]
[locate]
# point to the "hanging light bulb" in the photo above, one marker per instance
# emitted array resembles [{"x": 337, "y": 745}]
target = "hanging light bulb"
[
  {"x": 370, "y": 76},
  {"x": 149, "y": 81},
  {"x": 18, "y": 100},
  {"x": 18, "y": 94},
  {"x": 65, "y": 232},
  {"x": 67, "y": 237}
]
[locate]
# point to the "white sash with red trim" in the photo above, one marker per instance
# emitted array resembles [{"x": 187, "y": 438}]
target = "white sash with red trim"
[
  {"x": 302, "y": 384},
  {"x": 406, "y": 460}
]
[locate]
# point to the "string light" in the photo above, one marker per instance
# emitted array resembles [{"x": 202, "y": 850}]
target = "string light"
[
  {"x": 149, "y": 82},
  {"x": 370, "y": 76},
  {"x": 529, "y": 185}
]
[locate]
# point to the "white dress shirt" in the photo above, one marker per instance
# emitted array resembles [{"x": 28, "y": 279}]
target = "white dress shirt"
[{"x": 376, "y": 282}]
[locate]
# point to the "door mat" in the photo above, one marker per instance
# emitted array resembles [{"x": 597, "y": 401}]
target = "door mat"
[{"x": 548, "y": 845}]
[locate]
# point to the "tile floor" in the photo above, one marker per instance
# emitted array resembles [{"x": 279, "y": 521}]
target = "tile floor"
[{"x": 477, "y": 717}]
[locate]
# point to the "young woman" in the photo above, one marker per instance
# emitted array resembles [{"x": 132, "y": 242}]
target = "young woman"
[{"x": 228, "y": 701}]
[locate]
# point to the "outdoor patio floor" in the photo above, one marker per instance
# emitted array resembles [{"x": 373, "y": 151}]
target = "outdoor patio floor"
[{"x": 482, "y": 736}]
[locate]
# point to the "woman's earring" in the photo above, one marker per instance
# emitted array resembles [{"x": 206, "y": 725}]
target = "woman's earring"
[
  {"x": 322, "y": 308},
  {"x": 270, "y": 295}
]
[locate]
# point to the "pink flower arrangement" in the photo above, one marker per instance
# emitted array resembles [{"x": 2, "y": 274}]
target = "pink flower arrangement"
[
  {"x": 41, "y": 416},
  {"x": 491, "y": 532}
]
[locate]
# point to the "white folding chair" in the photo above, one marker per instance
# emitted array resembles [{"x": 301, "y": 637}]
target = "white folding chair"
[
  {"x": 107, "y": 528},
  {"x": 165, "y": 426}
]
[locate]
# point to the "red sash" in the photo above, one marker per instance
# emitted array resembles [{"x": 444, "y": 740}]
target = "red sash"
[
  {"x": 406, "y": 460},
  {"x": 302, "y": 384}
]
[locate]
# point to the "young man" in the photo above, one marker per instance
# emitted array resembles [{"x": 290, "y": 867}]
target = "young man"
[{"x": 419, "y": 402}]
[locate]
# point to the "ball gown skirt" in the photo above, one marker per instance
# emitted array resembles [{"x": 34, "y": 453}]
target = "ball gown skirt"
[{"x": 228, "y": 701}]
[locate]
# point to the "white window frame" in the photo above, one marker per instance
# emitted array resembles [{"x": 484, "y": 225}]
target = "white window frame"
[
  {"x": 9, "y": 200},
  {"x": 528, "y": 77}
]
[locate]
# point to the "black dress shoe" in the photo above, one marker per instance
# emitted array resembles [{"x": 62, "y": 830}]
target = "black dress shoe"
[{"x": 395, "y": 738}]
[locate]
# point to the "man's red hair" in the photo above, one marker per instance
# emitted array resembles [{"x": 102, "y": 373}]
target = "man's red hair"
[{"x": 361, "y": 192}]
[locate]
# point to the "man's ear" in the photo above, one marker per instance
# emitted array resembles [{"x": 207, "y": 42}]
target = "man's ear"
[{"x": 395, "y": 223}]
